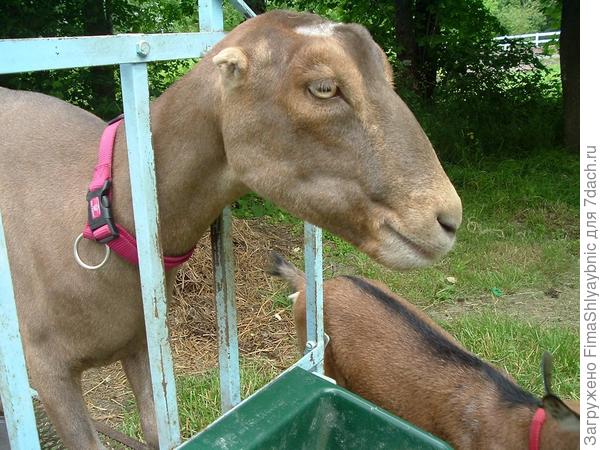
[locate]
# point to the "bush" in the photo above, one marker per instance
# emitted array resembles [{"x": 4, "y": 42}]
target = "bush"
[{"x": 494, "y": 102}]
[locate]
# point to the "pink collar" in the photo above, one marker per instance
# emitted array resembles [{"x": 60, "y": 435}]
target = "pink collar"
[
  {"x": 535, "y": 430},
  {"x": 101, "y": 226}
]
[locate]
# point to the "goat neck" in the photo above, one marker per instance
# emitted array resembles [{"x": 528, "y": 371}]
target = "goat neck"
[{"x": 194, "y": 182}]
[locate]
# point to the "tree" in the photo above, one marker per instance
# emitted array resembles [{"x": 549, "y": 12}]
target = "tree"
[
  {"x": 405, "y": 34},
  {"x": 97, "y": 21},
  {"x": 416, "y": 25},
  {"x": 448, "y": 67},
  {"x": 92, "y": 88},
  {"x": 569, "y": 69},
  {"x": 258, "y": 6},
  {"x": 431, "y": 34}
]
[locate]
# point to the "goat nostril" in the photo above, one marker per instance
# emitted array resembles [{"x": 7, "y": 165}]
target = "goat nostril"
[{"x": 448, "y": 225}]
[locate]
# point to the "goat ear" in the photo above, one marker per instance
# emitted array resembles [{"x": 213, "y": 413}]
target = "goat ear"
[
  {"x": 566, "y": 417},
  {"x": 233, "y": 65},
  {"x": 547, "y": 372},
  {"x": 293, "y": 297}
]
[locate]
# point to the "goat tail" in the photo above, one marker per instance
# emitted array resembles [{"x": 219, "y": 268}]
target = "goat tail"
[{"x": 283, "y": 269}]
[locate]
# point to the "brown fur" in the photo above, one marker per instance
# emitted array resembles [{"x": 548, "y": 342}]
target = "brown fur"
[
  {"x": 375, "y": 352},
  {"x": 243, "y": 119}
]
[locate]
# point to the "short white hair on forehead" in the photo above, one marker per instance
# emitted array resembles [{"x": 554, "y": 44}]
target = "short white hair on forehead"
[{"x": 322, "y": 29}]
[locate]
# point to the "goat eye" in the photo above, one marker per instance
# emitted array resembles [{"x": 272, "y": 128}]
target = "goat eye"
[{"x": 323, "y": 88}]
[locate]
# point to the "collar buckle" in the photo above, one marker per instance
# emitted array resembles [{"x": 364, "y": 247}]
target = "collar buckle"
[{"x": 100, "y": 218}]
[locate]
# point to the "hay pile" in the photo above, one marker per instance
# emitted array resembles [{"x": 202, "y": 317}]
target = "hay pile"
[{"x": 264, "y": 329}]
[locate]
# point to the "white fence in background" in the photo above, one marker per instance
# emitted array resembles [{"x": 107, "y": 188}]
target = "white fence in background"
[{"x": 537, "y": 38}]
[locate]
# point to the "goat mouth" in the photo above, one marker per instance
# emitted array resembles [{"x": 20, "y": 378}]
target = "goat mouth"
[{"x": 412, "y": 245}]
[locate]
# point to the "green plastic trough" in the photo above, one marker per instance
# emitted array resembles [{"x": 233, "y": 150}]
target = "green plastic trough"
[{"x": 300, "y": 410}]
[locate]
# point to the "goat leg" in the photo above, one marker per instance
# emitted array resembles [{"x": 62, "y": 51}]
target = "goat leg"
[
  {"x": 137, "y": 369},
  {"x": 60, "y": 392}
]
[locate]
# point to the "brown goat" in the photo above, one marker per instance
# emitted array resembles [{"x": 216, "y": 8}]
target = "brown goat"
[
  {"x": 291, "y": 106},
  {"x": 389, "y": 352}
]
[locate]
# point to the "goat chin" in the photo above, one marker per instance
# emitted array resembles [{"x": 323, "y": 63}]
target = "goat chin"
[{"x": 401, "y": 255}]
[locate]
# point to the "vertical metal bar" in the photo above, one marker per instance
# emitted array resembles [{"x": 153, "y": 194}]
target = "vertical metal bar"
[
  {"x": 14, "y": 387},
  {"x": 229, "y": 365},
  {"x": 211, "y": 19},
  {"x": 134, "y": 82},
  {"x": 313, "y": 265},
  {"x": 211, "y": 15}
]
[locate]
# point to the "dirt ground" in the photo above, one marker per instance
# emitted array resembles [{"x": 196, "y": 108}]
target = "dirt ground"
[
  {"x": 556, "y": 306},
  {"x": 264, "y": 328}
]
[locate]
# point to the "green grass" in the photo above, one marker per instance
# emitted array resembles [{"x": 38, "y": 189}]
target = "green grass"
[
  {"x": 198, "y": 397},
  {"x": 517, "y": 347},
  {"x": 281, "y": 301}
]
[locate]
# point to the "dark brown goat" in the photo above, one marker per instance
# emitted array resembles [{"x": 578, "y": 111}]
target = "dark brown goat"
[{"x": 389, "y": 352}]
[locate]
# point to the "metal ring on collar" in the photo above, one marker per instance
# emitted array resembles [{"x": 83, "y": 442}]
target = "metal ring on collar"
[{"x": 81, "y": 263}]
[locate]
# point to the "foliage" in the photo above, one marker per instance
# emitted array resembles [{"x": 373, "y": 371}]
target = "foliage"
[
  {"x": 491, "y": 100},
  {"x": 251, "y": 206},
  {"x": 502, "y": 102},
  {"x": 488, "y": 100},
  {"x": 516, "y": 16},
  {"x": 485, "y": 100},
  {"x": 526, "y": 16}
]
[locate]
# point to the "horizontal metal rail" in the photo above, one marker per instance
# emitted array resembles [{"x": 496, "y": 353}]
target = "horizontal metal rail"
[
  {"x": 536, "y": 38},
  {"x": 28, "y": 55}
]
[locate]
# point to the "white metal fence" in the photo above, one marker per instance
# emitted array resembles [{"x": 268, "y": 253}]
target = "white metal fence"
[{"x": 536, "y": 38}]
